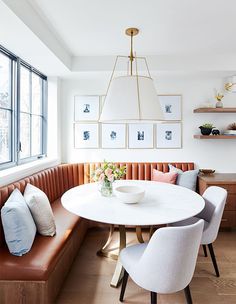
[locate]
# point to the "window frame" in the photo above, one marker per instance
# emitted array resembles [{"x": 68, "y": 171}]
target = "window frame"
[{"x": 16, "y": 63}]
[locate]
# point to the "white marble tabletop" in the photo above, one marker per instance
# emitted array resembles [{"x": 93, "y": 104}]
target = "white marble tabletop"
[{"x": 162, "y": 204}]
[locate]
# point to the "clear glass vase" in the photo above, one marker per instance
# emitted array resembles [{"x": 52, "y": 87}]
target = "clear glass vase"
[{"x": 106, "y": 188}]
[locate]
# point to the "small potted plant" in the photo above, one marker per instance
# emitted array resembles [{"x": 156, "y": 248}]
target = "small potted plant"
[
  {"x": 206, "y": 128},
  {"x": 219, "y": 96}
]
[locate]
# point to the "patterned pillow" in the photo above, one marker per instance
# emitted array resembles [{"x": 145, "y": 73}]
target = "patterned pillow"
[
  {"x": 18, "y": 224},
  {"x": 41, "y": 210}
]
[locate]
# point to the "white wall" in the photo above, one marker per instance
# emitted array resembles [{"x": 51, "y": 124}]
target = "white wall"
[{"x": 195, "y": 88}]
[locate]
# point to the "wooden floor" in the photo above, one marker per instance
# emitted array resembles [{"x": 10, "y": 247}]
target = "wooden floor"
[{"x": 89, "y": 279}]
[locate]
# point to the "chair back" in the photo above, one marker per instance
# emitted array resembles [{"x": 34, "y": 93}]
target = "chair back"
[
  {"x": 167, "y": 264},
  {"x": 215, "y": 198}
]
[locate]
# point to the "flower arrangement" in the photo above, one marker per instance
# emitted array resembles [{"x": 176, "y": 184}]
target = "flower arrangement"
[
  {"x": 106, "y": 175},
  {"x": 108, "y": 172}
]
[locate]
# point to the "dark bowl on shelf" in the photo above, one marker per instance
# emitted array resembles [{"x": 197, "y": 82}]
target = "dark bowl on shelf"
[
  {"x": 205, "y": 131},
  {"x": 206, "y": 171}
]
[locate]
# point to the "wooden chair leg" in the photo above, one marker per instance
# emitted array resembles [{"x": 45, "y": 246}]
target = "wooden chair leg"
[
  {"x": 213, "y": 258},
  {"x": 153, "y": 297},
  {"x": 123, "y": 287},
  {"x": 188, "y": 295},
  {"x": 205, "y": 250}
]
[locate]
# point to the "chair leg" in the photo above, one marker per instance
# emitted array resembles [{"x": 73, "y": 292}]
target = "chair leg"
[
  {"x": 153, "y": 297},
  {"x": 123, "y": 287},
  {"x": 188, "y": 295},
  {"x": 205, "y": 250},
  {"x": 213, "y": 258}
]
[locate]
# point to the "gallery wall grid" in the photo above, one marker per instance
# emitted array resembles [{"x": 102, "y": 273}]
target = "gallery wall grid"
[{"x": 90, "y": 133}]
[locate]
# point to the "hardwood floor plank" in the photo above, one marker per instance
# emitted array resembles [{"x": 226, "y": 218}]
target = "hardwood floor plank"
[{"x": 89, "y": 279}]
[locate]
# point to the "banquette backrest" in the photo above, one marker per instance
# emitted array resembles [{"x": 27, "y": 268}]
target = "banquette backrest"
[{"x": 55, "y": 181}]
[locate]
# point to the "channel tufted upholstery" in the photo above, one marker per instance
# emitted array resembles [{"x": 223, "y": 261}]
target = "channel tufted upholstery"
[{"x": 37, "y": 276}]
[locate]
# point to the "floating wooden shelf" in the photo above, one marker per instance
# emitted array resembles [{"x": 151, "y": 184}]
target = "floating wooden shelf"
[
  {"x": 215, "y": 136},
  {"x": 215, "y": 110}
]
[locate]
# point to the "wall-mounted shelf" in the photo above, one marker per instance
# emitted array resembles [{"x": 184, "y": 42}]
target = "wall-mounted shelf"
[
  {"x": 215, "y": 136},
  {"x": 214, "y": 110}
]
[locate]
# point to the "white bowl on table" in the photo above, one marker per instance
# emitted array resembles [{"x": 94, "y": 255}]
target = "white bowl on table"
[{"x": 129, "y": 194}]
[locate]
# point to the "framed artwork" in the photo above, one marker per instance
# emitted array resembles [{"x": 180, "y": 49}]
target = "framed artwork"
[
  {"x": 86, "y": 135},
  {"x": 86, "y": 108},
  {"x": 168, "y": 135},
  {"x": 171, "y": 106},
  {"x": 140, "y": 136},
  {"x": 113, "y": 136}
]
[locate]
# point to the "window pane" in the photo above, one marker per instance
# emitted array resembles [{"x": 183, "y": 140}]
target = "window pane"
[
  {"x": 24, "y": 89},
  {"x": 36, "y": 94},
  {"x": 5, "y": 133},
  {"x": 25, "y": 135},
  {"x": 5, "y": 81},
  {"x": 36, "y": 135}
]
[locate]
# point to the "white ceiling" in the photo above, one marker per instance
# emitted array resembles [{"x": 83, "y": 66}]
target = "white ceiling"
[
  {"x": 88, "y": 27},
  {"x": 61, "y": 37}
]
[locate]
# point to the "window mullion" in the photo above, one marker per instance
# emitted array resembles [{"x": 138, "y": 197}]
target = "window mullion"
[{"x": 18, "y": 82}]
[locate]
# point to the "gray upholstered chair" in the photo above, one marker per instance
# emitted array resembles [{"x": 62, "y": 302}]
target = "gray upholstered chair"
[
  {"x": 215, "y": 198},
  {"x": 166, "y": 264}
]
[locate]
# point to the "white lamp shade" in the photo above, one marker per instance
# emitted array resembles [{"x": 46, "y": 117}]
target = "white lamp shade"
[{"x": 131, "y": 98}]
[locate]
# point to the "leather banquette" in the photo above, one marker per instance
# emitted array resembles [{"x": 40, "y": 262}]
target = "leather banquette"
[{"x": 37, "y": 276}]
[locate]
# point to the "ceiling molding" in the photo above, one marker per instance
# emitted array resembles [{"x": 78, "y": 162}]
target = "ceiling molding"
[{"x": 26, "y": 13}]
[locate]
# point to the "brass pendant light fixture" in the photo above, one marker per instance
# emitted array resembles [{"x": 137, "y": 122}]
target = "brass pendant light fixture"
[{"x": 131, "y": 97}]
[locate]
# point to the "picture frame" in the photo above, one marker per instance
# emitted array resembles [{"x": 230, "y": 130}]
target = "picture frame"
[
  {"x": 169, "y": 135},
  {"x": 171, "y": 106},
  {"x": 113, "y": 136},
  {"x": 141, "y": 136},
  {"x": 86, "y": 108},
  {"x": 86, "y": 135}
]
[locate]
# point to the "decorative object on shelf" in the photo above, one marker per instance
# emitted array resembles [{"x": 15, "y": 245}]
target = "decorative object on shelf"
[
  {"x": 168, "y": 135},
  {"x": 86, "y": 135},
  {"x": 129, "y": 194},
  {"x": 86, "y": 108},
  {"x": 113, "y": 136},
  {"x": 219, "y": 96},
  {"x": 206, "y": 129},
  {"x": 230, "y": 85},
  {"x": 131, "y": 97},
  {"x": 207, "y": 105},
  {"x": 206, "y": 171},
  {"x": 171, "y": 106},
  {"x": 141, "y": 136},
  {"x": 215, "y": 132},
  {"x": 106, "y": 175},
  {"x": 231, "y": 129}
]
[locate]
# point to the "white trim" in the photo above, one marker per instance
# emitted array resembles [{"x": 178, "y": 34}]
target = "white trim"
[{"x": 15, "y": 173}]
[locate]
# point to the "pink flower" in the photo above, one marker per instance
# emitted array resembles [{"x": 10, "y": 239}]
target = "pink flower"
[
  {"x": 108, "y": 172},
  {"x": 111, "y": 178},
  {"x": 101, "y": 177},
  {"x": 98, "y": 171}
]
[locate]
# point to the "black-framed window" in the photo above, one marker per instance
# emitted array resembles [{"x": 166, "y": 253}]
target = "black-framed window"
[{"x": 23, "y": 115}]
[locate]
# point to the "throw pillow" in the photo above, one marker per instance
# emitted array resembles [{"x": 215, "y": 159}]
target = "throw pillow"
[
  {"x": 41, "y": 210},
  {"x": 18, "y": 225},
  {"x": 169, "y": 177},
  {"x": 186, "y": 179}
]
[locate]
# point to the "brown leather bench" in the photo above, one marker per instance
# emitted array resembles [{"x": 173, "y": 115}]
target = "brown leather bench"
[{"x": 37, "y": 276}]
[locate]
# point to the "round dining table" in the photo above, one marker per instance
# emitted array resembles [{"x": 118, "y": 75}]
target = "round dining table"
[{"x": 162, "y": 204}]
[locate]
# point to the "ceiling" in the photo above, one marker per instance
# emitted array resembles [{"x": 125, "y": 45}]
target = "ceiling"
[
  {"x": 88, "y": 27},
  {"x": 85, "y": 35}
]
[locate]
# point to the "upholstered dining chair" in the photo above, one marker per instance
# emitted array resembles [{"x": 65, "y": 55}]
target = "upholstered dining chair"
[
  {"x": 215, "y": 198},
  {"x": 166, "y": 264}
]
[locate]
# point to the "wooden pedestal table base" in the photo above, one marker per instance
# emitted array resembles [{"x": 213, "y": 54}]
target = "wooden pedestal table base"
[
  {"x": 105, "y": 251},
  {"x": 119, "y": 271}
]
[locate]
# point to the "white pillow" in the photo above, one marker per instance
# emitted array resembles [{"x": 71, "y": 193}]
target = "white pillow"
[
  {"x": 41, "y": 210},
  {"x": 18, "y": 224}
]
